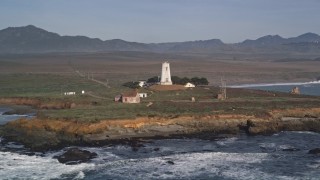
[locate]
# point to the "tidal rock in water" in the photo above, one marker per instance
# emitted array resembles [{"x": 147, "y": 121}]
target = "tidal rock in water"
[
  {"x": 75, "y": 156},
  {"x": 170, "y": 162},
  {"x": 291, "y": 149},
  {"x": 268, "y": 147},
  {"x": 314, "y": 151},
  {"x": 135, "y": 145}
]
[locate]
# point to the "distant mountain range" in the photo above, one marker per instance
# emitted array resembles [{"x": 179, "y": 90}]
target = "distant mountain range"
[{"x": 31, "y": 39}]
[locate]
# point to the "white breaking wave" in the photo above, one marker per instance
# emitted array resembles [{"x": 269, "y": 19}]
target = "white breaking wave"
[
  {"x": 227, "y": 141},
  {"x": 190, "y": 166},
  {"x": 304, "y": 132},
  {"x": 275, "y": 84},
  {"x": 17, "y": 166},
  {"x": 80, "y": 175}
]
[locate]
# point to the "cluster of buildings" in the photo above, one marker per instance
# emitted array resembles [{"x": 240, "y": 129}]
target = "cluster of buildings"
[
  {"x": 134, "y": 96},
  {"x": 72, "y": 93},
  {"x": 130, "y": 97},
  {"x": 295, "y": 90}
]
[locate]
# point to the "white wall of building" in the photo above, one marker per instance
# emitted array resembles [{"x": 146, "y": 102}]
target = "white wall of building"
[
  {"x": 143, "y": 95},
  {"x": 190, "y": 85}
]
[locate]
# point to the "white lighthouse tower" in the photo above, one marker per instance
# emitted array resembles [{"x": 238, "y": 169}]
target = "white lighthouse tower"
[{"x": 165, "y": 74}]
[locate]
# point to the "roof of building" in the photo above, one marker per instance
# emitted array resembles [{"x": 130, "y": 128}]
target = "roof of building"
[{"x": 130, "y": 94}]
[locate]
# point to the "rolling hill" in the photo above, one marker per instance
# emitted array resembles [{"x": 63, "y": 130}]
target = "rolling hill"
[{"x": 31, "y": 39}]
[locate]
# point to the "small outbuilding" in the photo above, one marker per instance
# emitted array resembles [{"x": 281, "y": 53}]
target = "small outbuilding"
[
  {"x": 130, "y": 97},
  {"x": 221, "y": 96},
  {"x": 295, "y": 90},
  {"x": 142, "y": 83},
  {"x": 69, "y": 93},
  {"x": 117, "y": 98},
  {"x": 143, "y": 95},
  {"x": 189, "y": 85}
]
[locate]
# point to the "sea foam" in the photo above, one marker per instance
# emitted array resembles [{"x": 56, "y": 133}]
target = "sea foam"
[
  {"x": 17, "y": 166},
  {"x": 274, "y": 84},
  {"x": 189, "y": 166}
]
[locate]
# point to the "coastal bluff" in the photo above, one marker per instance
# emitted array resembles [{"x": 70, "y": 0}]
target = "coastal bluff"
[{"x": 45, "y": 134}]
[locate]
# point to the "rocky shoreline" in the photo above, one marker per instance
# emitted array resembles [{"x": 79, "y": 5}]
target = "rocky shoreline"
[{"x": 48, "y": 134}]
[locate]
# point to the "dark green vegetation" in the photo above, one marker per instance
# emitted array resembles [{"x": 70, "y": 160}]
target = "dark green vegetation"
[
  {"x": 195, "y": 80},
  {"x": 175, "y": 80},
  {"x": 154, "y": 79},
  {"x": 132, "y": 85}
]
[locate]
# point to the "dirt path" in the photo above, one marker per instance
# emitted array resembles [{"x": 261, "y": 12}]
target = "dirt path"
[{"x": 100, "y": 82}]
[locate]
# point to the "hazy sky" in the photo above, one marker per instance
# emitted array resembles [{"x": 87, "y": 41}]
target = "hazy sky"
[{"x": 165, "y": 20}]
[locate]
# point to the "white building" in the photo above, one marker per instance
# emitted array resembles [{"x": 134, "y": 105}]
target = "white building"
[
  {"x": 189, "y": 85},
  {"x": 69, "y": 93},
  {"x": 142, "y": 83},
  {"x": 143, "y": 95},
  {"x": 165, "y": 74}
]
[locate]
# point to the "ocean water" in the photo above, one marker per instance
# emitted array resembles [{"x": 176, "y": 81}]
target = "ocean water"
[
  {"x": 307, "y": 88},
  {"x": 6, "y": 118},
  {"x": 279, "y": 156},
  {"x": 242, "y": 157}
]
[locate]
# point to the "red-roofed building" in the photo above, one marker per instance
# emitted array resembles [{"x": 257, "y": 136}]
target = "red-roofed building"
[{"x": 130, "y": 97}]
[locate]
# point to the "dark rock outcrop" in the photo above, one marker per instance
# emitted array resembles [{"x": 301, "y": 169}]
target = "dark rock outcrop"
[
  {"x": 271, "y": 126},
  {"x": 170, "y": 162},
  {"x": 315, "y": 151},
  {"x": 260, "y": 127},
  {"x": 135, "y": 145},
  {"x": 291, "y": 149},
  {"x": 40, "y": 134},
  {"x": 75, "y": 156}
]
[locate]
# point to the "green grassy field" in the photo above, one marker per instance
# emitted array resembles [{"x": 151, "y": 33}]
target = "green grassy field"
[
  {"x": 49, "y": 88},
  {"x": 47, "y": 76}
]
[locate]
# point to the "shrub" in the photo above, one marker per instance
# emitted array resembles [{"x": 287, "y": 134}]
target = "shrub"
[
  {"x": 154, "y": 79},
  {"x": 133, "y": 85}
]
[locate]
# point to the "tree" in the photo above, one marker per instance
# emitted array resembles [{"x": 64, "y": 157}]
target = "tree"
[
  {"x": 154, "y": 79},
  {"x": 195, "y": 81},
  {"x": 175, "y": 79},
  {"x": 178, "y": 80},
  {"x": 203, "y": 81},
  {"x": 184, "y": 80},
  {"x": 199, "y": 81},
  {"x": 133, "y": 85}
]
